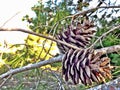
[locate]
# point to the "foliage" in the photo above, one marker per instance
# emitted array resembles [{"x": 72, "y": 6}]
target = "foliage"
[
  {"x": 47, "y": 15},
  {"x": 110, "y": 40},
  {"x": 30, "y": 52}
]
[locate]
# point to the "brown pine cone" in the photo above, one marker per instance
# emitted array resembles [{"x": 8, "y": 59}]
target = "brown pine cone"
[
  {"x": 85, "y": 66},
  {"x": 79, "y": 35}
]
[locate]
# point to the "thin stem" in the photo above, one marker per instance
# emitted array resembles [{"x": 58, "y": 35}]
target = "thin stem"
[
  {"x": 105, "y": 34},
  {"x": 9, "y": 19},
  {"x": 41, "y": 35}
]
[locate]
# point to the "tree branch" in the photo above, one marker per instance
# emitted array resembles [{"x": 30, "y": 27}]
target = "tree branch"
[
  {"x": 111, "y": 85},
  {"x": 31, "y": 66},
  {"x": 92, "y": 9},
  {"x": 59, "y": 41},
  {"x": 40, "y": 35},
  {"x": 53, "y": 60},
  {"x": 110, "y": 49}
]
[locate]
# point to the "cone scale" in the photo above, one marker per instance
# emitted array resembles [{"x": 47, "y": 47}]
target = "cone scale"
[
  {"x": 79, "y": 35},
  {"x": 81, "y": 68}
]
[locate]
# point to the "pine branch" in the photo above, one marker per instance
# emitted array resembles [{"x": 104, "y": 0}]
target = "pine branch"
[
  {"x": 93, "y": 9},
  {"x": 31, "y": 66},
  {"x": 59, "y": 41},
  {"x": 40, "y": 35},
  {"x": 110, "y": 49},
  {"x": 53, "y": 60}
]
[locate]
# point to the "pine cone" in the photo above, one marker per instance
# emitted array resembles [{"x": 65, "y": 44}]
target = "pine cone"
[
  {"x": 85, "y": 66},
  {"x": 78, "y": 35}
]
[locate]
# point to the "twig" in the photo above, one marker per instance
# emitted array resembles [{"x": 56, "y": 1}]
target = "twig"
[
  {"x": 93, "y": 9},
  {"x": 61, "y": 87},
  {"x": 17, "y": 44},
  {"x": 52, "y": 55},
  {"x": 37, "y": 78},
  {"x": 105, "y": 34},
  {"x": 102, "y": 46},
  {"x": 44, "y": 42},
  {"x": 59, "y": 41},
  {"x": 53, "y": 60},
  {"x": 110, "y": 6},
  {"x": 9, "y": 19},
  {"x": 41, "y": 35},
  {"x": 5, "y": 80},
  {"x": 48, "y": 52}
]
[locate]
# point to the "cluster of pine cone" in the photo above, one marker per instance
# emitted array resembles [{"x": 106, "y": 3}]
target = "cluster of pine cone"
[{"x": 86, "y": 65}]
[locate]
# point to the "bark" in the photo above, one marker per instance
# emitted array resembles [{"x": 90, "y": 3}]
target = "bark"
[
  {"x": 31, "y": 66},
  {"x": 112, "y": 85},
  {"x": 53, "y": 60}
]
